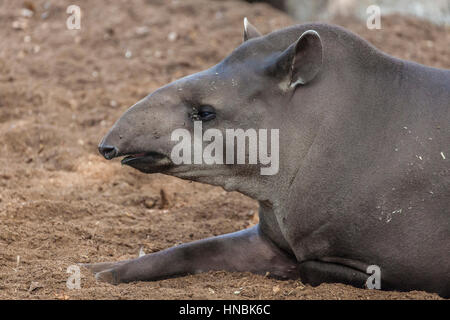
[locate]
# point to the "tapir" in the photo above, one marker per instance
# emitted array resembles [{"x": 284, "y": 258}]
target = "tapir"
[{"x": 363, "y": 188}]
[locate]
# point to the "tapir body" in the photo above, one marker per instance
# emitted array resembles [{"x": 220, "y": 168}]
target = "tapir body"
[{"x": 364, "y": 174}]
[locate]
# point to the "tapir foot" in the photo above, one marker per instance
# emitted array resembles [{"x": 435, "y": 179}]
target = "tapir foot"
[
  {"x": 109, "y": 275},
  {"x": 318, "y": 272},
  {"x": 104, "y": 271},
  {"x": 244, "y": 251}
]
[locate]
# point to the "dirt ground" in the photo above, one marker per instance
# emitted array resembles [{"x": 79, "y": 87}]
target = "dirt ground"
[{"x": 60, "y": 91}]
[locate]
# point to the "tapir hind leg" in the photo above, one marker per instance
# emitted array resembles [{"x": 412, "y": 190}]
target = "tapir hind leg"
[
  {"x": 316, "y": 272},
  {"x": 246, "y": 251}
]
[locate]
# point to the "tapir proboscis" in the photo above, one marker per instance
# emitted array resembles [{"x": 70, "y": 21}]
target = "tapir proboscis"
[{"x": 364, "y": 171}]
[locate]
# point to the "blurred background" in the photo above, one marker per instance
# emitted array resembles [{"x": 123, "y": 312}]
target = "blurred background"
[{"x": 436, "y": 11}]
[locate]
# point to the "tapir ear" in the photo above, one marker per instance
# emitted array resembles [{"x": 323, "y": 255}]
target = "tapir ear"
[
  {"x": 301, "y": 61},
  {"x": 250, "y": 31}
]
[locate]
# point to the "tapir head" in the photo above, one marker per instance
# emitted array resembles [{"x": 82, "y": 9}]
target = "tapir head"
[{"x": 245, "y": 91}]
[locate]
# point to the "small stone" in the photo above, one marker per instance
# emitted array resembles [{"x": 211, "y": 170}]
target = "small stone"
[
  {"x": 158, "y": 54},
  {"x": 172, "y": 36},
  {"x": 149, "y": 203},
  {"x": 73, "y": 104},
  {"x": 128, "y": 54},
  {"x": 142, "y": 31},
  {"x": 19, "y": 24},
  {"x": 27, "y": 13}
]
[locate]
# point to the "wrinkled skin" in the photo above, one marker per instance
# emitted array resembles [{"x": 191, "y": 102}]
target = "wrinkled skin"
[{"x": 351, "y": 190}]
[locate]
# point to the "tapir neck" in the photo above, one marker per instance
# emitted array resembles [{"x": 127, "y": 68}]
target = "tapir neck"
[{"x": 357, "y": 82}]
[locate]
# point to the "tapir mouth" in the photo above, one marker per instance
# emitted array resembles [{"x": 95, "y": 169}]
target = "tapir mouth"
[{"x": 148, "y": 162}]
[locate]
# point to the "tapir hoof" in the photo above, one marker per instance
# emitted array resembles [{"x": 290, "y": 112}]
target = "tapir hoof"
[
  {"x": 109, "y": 276},
  {"x": 104, "y": 271}
]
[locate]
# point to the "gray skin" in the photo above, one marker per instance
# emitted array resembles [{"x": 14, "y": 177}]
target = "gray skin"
[{"x": 364, "y": 174}]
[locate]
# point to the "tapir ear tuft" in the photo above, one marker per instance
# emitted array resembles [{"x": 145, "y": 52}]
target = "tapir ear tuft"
[
  {"x": 301, "y": 61},
  {"x": 250, "y": 31}
]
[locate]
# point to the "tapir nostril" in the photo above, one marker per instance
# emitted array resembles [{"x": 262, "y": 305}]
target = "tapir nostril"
[{"x": 108, "y": 152}]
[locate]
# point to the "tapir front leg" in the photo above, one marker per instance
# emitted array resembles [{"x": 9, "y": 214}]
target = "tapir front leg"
[{"x": 246, "y": 250}]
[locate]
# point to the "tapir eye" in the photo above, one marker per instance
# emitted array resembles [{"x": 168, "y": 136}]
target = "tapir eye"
[{"x": 206, "y": 113}]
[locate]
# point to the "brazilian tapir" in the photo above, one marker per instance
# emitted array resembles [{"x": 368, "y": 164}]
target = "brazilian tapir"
[{"x": 364, "y": 173}]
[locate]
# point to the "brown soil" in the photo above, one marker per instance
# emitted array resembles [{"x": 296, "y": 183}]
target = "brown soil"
[{"x": 60, "y": 91}]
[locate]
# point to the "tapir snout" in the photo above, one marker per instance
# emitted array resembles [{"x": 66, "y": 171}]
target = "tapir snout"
[
  {"x": 109, "y": 152},
  {"x": 142, "y": 134}
]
